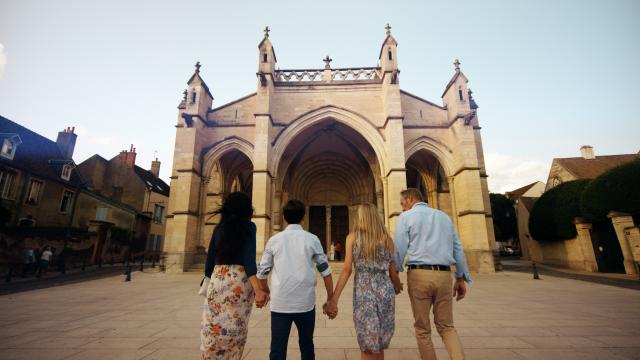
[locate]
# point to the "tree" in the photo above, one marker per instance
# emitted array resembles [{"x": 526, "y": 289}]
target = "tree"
[
  {"x": 552, "y": 217},
  {"x": 617, "y": 189},
  {"x": 504, "y": 217}
]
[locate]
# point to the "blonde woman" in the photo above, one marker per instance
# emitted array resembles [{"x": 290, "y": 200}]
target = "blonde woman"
[{"x": 369, "y": 249}]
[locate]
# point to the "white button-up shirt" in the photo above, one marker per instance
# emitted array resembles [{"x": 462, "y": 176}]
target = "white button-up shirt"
[{"x": 292, "y": 257}]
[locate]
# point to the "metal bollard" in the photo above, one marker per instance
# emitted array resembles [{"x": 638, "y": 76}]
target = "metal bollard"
[
  {"x": 153, "y": 261},
  {"x": 128, "y": 272},
  {"x": 536, "y": 276},
  {"x": 9, "y": 275}
]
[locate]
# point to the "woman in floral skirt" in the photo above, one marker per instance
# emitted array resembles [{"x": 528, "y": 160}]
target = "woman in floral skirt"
[
  {"x": 370, "y": 250},
  {"x": 230, "y": 272}
]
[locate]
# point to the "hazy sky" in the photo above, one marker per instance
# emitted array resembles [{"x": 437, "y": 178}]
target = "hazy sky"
[{"x": 549, "y": 76}]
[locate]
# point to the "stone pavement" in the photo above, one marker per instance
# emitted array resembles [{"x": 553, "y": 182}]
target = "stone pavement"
[{"x": 156, "y": 316}]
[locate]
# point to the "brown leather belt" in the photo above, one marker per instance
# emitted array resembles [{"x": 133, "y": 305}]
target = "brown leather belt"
[{"x": 430, "y": 267}]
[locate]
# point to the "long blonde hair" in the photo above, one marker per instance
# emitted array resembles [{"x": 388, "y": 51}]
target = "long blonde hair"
[{"x": 369, "y": 232}]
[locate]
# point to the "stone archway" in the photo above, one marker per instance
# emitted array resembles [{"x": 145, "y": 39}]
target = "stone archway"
[{"x": 331, "y": 167}]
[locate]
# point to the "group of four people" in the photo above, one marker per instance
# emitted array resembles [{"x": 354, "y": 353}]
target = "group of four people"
[{"x": 233, "y": 282}]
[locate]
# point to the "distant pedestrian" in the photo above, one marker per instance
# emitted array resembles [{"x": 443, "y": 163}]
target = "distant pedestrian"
[
  {"x": 29, "y": 261},
  {"x": 45, "y": 259},
  {"x": 338, "y": 251}
]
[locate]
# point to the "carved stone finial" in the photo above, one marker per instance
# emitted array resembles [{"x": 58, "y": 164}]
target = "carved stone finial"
[
  {"x": 388, "y": 28},
  {"x": 184, "y": 95},
  {"x": 457, "y": 64},
  {"x": 198, "y": 66},
  {"x": 266, "y": 32},
  {"x": 327, "y": 61}
]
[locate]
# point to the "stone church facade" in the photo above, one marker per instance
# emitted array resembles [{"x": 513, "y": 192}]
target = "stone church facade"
[{"x": 333, "y": 138}]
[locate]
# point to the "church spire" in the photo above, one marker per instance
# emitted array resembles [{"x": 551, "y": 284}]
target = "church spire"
[
  {"x": 267, "y": 55},
  {"x": 389, "y": 53}
]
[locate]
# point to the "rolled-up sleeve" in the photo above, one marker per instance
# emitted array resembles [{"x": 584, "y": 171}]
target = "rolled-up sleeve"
[
  {"x": 402, "y": 242},
  {"x": 249, "y": 253},
  {"x": 319, "y": 257},
  {"x": 462, "y": 269},
  {"x": 266, "y": 263}
]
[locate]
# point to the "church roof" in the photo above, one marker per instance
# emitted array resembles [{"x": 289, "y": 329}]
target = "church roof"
[
  {"x": 204, "y": 85},
  {"x": 583, "y": 168},
  {"x": 389, "y": 38},
  {"x": 37, "y": 155},
  {"x": 528, "y": 202},
  {"x": 453, "y": 81}
]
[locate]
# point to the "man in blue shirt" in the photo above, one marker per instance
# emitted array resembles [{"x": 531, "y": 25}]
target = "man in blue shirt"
[{"x": 428, "y": 239}]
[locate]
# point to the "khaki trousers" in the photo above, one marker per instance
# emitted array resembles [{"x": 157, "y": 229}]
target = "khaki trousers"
[{"x": 427, "y": 289}]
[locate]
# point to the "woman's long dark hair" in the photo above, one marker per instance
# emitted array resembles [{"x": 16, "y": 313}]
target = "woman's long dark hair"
[{"x": 234, "y": 227}]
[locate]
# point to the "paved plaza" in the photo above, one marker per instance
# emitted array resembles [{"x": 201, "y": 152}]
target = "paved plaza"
[{"x": 157, "y": 316}]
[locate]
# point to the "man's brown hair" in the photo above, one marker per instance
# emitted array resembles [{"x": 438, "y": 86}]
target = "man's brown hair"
[{"x": 412, "y": 193}]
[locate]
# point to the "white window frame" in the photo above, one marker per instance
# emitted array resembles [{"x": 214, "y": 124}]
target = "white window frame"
[
  {"x": 158, "y": 219},
  {"x": 7, "y": 180},
  {"x": 69, "y": 203},
  {"x": 66, "y": 171},
  {"x": 9, "y": 147},
  {"x": 36, "y": 199}
]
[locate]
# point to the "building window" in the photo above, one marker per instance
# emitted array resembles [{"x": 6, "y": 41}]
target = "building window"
[
  {"x": 390, "y": 55},
  {"x": 8, "y": 149},
  {"x": 33, "y": 195},
  {"x": 101, "y": 214},
  {"x": 193, "y": 96},
  {"x": 158, "y": 214},
  {"x": 65, "y": 203},
  {"x": 6, "y": 185},
  {"x": 151, "y": 242},
  {"x": 264, "y": 57},
  {"x": 158, "y": 244},
  {"x": 460, "y": 95},
  {"x": 66, "y": 171}
]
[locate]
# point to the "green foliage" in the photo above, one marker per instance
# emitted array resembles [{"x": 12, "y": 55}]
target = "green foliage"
[
  {"x": 617, "y": 189},
  {"x": 120, "y": 234},
  {"x": 552, "y": 216},
  {"x": 504, "y": 217}
]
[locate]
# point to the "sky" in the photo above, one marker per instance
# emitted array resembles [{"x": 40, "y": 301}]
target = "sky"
[{"x": 549, "y": 76}]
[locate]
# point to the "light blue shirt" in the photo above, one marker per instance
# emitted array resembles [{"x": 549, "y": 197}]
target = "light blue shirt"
[{"x": 427, "y": 237}]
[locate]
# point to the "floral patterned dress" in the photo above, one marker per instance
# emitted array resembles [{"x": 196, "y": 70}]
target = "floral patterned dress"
[
  {"x": 373, "y": 300},
  {"x": 225, "y": 319}
]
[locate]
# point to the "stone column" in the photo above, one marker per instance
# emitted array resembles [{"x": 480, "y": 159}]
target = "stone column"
[
  {"x": 277, "y": 211},
  {"x": 622, "y": 222},
  {"x": 633, "y": 238},
  {"x": 584, "y": 239},
  {"x": 327, "y": 241},
  {"x": 472, "y": 221}
]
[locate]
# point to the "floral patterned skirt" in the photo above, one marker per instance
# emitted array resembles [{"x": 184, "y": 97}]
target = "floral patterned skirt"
[{"x": 225, "y": 318}]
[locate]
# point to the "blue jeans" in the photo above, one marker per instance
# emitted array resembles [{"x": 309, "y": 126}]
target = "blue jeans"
[{"x": 281, "y": 327}]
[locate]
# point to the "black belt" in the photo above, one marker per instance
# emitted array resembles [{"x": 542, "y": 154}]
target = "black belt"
[{"x": 430, "y": 267}]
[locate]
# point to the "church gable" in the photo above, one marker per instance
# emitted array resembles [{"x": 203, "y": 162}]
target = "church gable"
[
  {"x": 239, "y": 111},
  {"x": 420, "y": 112}
]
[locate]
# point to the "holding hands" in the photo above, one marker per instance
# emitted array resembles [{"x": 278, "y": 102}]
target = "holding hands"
[
  {"x": 330, "y": 308},
  {"x": 262, "y": 298}
]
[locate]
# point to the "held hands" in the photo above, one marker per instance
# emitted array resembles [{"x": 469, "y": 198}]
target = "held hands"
[
  {"x": 262, "y": 298},
  {"x": 459, "y": 289},
  {"x": 330, "y": 308},
  {"x": 397, "y": 286}
]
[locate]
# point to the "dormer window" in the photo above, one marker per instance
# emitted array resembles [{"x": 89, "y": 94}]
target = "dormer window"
[
  {"x": 66, "y": 171},
  {"x": 264, "y": 57},
  {"x": 9, "y": 146}
]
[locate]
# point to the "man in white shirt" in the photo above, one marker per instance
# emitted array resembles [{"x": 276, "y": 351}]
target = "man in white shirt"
[{"x": 292, "y": 257}]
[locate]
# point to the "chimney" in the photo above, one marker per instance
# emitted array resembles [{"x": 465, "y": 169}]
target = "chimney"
[
  {"x": 67, "y": 142},
  {"x": 129, "y": 157},
  {"x": 155, "y": 168},
  {"x": 587, "y": 152}
]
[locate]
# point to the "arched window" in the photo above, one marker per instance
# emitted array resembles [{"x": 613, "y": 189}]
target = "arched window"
[
  {"x": 264, "y": 57},
  {"x": 390, "y": 55},
  {"x": 193, "y": 96},
  {"x": 460, "y": 94}
]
